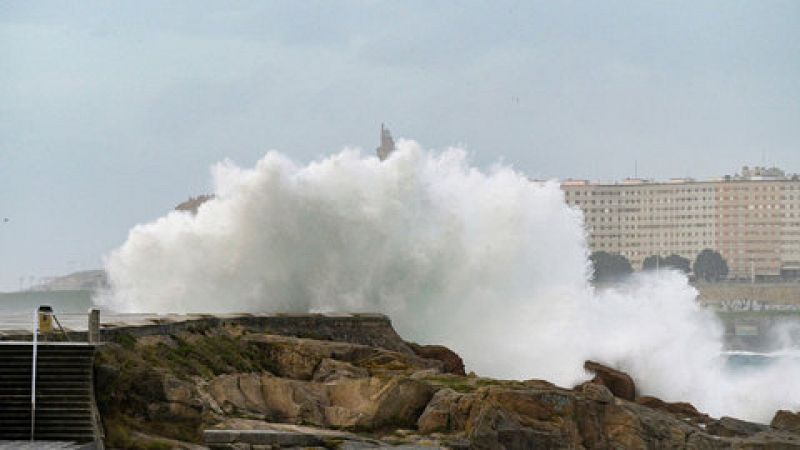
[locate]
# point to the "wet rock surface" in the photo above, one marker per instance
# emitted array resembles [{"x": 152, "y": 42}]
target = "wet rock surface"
[
  {"x": 228, "y": 387},
  {"x": 452, "y": 363},
  {"x": 619, "y": 383}
]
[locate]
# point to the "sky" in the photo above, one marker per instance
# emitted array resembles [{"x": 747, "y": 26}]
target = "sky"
[{"x": 112, "y": 112}]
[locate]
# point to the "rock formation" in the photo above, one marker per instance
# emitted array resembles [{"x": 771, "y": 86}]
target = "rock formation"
[
  {"x": 619, "y": 383},
  {"x": 231, "y": 387},
  {"x": 452, "y": 362},
  {"x": 786, "y": 421}
]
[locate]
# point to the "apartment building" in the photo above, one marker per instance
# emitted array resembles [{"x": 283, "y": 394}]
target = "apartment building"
[{"x": 752, "y": 219}]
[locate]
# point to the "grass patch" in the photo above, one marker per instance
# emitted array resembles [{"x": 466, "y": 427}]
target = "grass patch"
[
  {"x": 126, "y": 340},
  {"x": 118, "y": 435},
  {"x": 463, "y": 385},
  {"x": 466, "y": 385}
]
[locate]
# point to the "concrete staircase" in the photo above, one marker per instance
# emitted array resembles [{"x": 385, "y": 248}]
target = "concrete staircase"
[{"x": 65, "y": 409}]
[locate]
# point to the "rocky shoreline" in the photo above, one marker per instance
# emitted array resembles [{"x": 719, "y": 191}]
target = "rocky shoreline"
[{"x": 226, "y": 386}]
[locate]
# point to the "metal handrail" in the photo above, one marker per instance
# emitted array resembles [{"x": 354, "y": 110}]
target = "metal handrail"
[
  {"x": 66, "y": 336},
  {"x": 33, "y": 371}
]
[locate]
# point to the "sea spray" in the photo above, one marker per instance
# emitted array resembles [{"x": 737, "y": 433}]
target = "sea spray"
[{"x": 490, "y": 263}]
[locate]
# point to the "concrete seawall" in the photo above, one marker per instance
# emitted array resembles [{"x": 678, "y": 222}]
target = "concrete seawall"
[
  {"x": 771, "y": 293},
  {"x": 367, "y": 329}
]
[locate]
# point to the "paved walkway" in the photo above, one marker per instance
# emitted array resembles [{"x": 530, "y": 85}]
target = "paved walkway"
[{"x": 21, "y": 324}]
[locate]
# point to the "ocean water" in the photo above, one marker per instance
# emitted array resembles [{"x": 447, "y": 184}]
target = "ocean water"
[{"x": 747, "y": 362}]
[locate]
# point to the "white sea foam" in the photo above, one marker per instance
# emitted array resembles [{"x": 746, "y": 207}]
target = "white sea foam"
[{"x": 487, "y": 262}]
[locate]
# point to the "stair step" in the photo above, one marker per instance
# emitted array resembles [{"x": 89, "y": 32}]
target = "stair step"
[
  {"x": 44, "y": 355},
  {"x": 64, "y": 409},
  {"x": 47, "y": 385},
  {"x": 48, "y": 399},
  {"x": 45, "y": 421},
  {"x": 26, "y": 371},
  {"x": 85, "y": 425}
]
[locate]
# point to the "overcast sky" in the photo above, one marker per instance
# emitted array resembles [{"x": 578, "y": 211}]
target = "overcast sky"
[{"x": 112, "y": 112}]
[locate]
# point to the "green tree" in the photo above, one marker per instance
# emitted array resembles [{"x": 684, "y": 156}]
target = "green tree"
[
  {"x": 653, "y": 262},
  {"x": 609, "y": 267},
  {"x": 673, "y": 261},
  {"x": 678, "y": 262},
  {"x": 710, "y": 266}
]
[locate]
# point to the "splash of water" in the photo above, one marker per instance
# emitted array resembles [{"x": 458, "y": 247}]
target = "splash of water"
[{"x": 487, "y": 262}]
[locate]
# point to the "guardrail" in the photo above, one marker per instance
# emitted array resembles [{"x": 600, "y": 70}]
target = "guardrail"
[{"x": 43, "y": 319}]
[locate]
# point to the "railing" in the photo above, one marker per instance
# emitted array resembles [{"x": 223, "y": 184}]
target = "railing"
[
  {"x": 33, "y": 372},
  {"x": 42, "y": 320}
]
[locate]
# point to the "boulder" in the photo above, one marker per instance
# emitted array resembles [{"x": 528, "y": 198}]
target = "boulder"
[
  {"x": 596, "y": 392},
  {"x": 786, "y": 421},
  {"x": 619, "y": 383},
  {"x": 447, "y": 411},
  {"x": 509, "y": 418},
  {"x": 225, "y": 392},
  {"x": 452, "y": 362},
  {"x": 363, "y": 403},
  {"x": 371, "y": 403},
  {"x": 300, "y": 359},
  {"x": 332, "y": 370},
  {"x": 294, "y": 401},
  {"x": 681, "y": 410}
]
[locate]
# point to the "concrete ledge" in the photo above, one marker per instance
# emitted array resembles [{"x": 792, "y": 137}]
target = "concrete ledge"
[{"x": 367, "y": 329}]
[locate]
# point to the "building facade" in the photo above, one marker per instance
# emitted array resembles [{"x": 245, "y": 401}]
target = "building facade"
[{"x": 752, "y": 219}]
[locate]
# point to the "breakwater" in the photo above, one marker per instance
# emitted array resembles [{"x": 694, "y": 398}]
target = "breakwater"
[{"x": 367, "y": 329}]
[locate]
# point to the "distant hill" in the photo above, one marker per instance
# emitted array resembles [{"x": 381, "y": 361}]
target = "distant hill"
[{"x": 86, "y": 280}]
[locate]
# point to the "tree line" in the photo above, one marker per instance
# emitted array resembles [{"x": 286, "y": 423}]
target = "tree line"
[{"x": 709, "y": 265}]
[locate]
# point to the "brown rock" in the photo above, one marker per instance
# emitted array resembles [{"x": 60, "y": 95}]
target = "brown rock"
[
  {"x": 176, "y": 390},
  {"x": 550, "y": 417},
  {"x": 371, "y": 403},
  {"x": 294, "y": 401},
  {"x": 597, "y": 392},
  {"x": 731, "y": 427},
  {"x": 295, "y": 359},
  {"x": 522, "y": 419},
  {"x": 225, "y": 392},
  {"x": 619, "y": 383},
  {"x": 300, "y": 358},
  {"x": 370, "y": 388},
  {"x": 364, "y": 403},
  {"x": 623, "y": 428},
  {"x": 452, "y": 362},
  {"x": 401, "y": 402},
  {"x": 681, "y": 410},
  {"x": 332, "y": 370},
  {"x": 786, "y": 421},
  {"x": 447, "y": 411}
]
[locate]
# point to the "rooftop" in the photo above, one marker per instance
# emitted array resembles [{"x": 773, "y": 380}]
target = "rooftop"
[{"x": 747, "y": 174}]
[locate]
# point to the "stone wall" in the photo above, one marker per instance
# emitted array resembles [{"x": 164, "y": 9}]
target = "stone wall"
[{"x": 775, "y": 293}]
